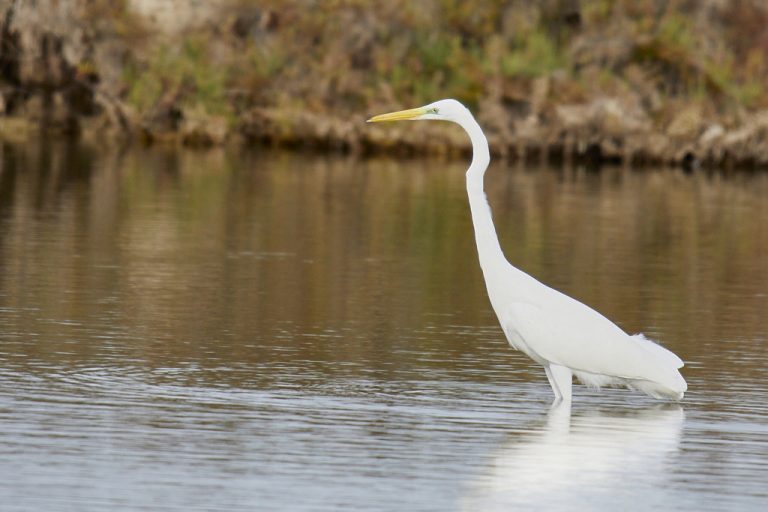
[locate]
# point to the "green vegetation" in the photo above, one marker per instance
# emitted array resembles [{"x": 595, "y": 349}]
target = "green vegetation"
[
  {"x": 184, "y": 75},
  {"x": 349, "y": 55},
  {"x": 285, "y": 71}
]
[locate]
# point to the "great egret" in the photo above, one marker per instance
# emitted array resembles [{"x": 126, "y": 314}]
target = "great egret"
[{"x": 560, "y": 333}]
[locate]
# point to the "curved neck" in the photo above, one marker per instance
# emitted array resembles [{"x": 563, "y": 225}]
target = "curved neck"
[{"x": 488, "y": 247}]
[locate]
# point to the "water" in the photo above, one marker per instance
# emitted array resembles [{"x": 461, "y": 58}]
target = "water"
[{"x": 262, "y": 331}]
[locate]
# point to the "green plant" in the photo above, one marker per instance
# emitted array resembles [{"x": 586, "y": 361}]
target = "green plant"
[
  {"x": 185, "y": 72},
  {"x": 532, "y": 55}
]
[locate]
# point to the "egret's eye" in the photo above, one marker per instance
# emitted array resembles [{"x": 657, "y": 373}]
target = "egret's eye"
[{"x": 433, "y": 110}]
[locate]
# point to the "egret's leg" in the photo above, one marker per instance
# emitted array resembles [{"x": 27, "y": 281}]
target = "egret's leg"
[
  {"x": 553, "y": 384},
  {"x": 563, "y": 378}
]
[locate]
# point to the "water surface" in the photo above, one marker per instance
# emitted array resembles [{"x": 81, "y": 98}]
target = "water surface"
[{"x": 261, "y": 331}]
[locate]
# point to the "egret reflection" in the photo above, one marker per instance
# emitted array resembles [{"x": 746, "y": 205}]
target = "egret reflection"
[{"x": 584, "y": 461}]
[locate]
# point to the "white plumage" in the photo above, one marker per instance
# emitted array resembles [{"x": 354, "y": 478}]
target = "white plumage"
[{"x": 563, "y": 335}]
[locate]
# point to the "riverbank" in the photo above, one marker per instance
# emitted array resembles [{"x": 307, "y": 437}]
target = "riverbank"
[{"x": 618, "y": 81}]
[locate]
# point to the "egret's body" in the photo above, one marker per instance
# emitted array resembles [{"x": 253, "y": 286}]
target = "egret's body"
[{"x": 562, "y": 334}]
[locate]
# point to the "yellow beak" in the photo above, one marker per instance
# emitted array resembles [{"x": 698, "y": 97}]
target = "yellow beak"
[{"x": 402, "y": 115}]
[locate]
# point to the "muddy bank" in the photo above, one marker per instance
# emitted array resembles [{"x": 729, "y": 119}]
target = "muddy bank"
[{"x": 642, "y": 82}]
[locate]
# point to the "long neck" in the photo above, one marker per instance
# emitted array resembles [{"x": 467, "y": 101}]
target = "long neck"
[{"x": 488, "y": 247}]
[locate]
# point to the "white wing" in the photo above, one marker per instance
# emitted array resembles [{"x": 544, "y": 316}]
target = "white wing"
[{"x": 562, "y": 330}]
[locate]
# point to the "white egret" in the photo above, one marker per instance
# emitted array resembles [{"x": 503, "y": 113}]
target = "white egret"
[{"x": 560, "y": 333}]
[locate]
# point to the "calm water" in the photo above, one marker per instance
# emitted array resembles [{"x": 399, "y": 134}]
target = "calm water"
[{"x": 232, "y": 331}]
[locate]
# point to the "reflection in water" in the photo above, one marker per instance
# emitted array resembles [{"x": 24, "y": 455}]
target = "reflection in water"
[
  {"x": 217, "y": 330},
  {"x": 592, "y": 460}
]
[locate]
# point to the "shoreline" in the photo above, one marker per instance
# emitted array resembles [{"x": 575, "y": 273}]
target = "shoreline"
[
  {"x": 726, "y": 151},
  {"x": 622, "y": 84}
]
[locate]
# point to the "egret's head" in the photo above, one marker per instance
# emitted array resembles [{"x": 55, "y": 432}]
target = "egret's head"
[{"x": 443, "y": 110}]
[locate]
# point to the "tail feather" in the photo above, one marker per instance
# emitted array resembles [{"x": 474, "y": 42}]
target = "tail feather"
[
  {"x": 666, "y": 381},
  {"x": 649, "y": 387},
  {"x": 651, "y": 369},
  {"x": 657, "y": 390},
  {"x": 657, "y": 350}
]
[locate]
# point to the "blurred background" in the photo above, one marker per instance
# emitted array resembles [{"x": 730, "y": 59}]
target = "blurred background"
[{"x": 618, "y": 80}]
